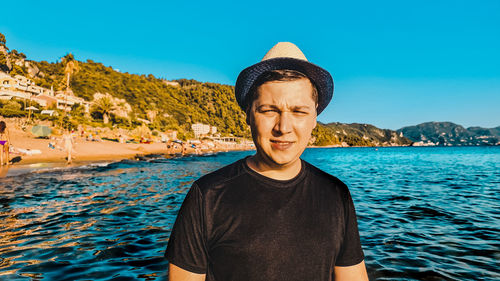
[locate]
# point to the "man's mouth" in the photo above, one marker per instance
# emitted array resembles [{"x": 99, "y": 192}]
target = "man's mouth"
[{"x": 281, "y": 145}]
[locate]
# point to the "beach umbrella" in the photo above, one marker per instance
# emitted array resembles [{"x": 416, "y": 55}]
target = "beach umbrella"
[
  {"x": 41, "y": 131},
  {"x": 31, "y": 108}
]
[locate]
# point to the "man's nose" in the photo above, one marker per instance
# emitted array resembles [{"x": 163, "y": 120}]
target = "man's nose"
[{"x": 284, "y": 123}]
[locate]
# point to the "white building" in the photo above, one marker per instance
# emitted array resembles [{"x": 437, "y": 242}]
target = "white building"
[
  {"x": 23, "y": 88},
  {"x": 213, "y": 130},
  {"x": 66, "y": 100},
  {"x": 200, "y": 129}
]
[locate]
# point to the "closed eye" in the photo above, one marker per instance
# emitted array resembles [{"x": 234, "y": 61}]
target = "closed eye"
[
  {"x": 301, "y": 112},
  {"x": 269, "y": 110}
]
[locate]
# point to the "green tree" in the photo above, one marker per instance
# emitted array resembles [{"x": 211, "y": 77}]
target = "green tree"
[
  {"x": 323, "y": 135},
  {"x": 12, "y": 105},
  {"x": 17, "y": 70},
  {"x": 103, "y": 108}
]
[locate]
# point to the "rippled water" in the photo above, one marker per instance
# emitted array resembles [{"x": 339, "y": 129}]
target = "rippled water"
[{"x": 423, "y": 213}]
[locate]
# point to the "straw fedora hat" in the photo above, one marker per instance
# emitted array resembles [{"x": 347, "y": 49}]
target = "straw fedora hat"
[{"x": 286, "y": 55}]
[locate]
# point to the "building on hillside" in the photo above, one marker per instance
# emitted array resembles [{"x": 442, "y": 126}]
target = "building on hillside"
[
  {"x": 226, "y": 139},
  {"x": 6, "y": 81},
  {"x": 200, "y": 129},
  {"x": 9, "y": 88},
  {"x": 9, "y": 94},
  {"x": 27, "y": 85},
  {"x": 23, "y": 81},
  {"x": 23, "y": 88},
  {"x": 37, "y": 90},
  {"x": 171, "y": 83},
  {"x": 45, "y": 100},
  {"x": 213, "y": 130},
  {"x": 65, "y": 101},
  {"x": 422, "y": 143},
  {"x": 49, "y": 112},
  {"x": 171, "y": 134}
]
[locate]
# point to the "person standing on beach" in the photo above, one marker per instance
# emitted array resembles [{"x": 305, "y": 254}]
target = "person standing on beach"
[
  {"x": 4, "y": 144},
  {"x": 271, "y": 216}
]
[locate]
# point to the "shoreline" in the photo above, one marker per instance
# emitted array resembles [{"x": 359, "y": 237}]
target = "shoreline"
[
  {"x": 29, "y": 153},
  {"x": 55, "y": 162},
  {"x": 114, "y": 152},
  {"x": 139, "y": 152}
]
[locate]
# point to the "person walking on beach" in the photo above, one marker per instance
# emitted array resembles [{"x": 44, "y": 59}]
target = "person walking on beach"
[
  {"x": 4, "y": 144},
  {"x": 272, "y": 215},
  {"x": 183, "y": 149},
  {"x": 68, "y": 145}
]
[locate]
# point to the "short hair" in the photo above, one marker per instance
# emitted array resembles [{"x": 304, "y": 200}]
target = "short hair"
[{"x": 277, "y": 75}]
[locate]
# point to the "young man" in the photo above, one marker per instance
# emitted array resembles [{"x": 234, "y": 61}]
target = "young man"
[{"x": 271, "y": 216}]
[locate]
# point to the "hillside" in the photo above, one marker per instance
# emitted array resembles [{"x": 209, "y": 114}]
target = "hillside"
[
  {"x": 450, "y": 134},
  {"x": 365, "y": 135},
  {"x": 174, "y": 105},
  {"x": 167, "y": 104}
]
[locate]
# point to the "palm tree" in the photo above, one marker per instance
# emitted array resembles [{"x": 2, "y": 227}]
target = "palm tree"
[
  {"x": 103, "y": 106},
  {"x": 2, "y": 40},
  {"x": 71, "y": 67}
]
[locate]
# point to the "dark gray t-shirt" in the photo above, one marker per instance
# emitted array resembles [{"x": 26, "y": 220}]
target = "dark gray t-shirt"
[{"x": 236, "y": 224}]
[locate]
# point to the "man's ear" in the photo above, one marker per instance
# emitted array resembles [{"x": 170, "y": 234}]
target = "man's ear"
[
  {"x": 316, "y": 119},
  {"x": 248, "y": 118}
]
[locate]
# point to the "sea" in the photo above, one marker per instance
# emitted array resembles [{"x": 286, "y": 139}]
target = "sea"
[{"x": 424, "y": 213}]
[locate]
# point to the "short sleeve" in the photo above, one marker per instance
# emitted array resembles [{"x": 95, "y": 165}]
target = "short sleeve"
[
  {"x": 351, "y": 252},
  {"x": 187, "y": 244}
]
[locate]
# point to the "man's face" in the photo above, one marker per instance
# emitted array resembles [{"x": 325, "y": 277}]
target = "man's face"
[{"x": 282, "y": 118}]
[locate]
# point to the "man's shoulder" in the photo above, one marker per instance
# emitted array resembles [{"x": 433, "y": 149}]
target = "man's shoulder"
[
  {"x": 324, "y": 177},
  {"x": 221, "y": 176}
]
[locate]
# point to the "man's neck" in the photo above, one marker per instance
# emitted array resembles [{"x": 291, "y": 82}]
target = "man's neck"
[{"x": 272, "y": 170}]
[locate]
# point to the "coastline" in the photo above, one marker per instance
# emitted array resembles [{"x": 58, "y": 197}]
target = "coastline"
[
  {"x": 29, "y": 153},
  {"x": 91, "y": 155}
]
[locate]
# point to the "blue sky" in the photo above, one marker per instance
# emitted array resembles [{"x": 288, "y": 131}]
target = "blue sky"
[{"x": 394, "y": 63}]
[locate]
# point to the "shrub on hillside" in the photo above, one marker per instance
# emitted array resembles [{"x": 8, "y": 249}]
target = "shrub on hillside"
[{"x": 9, "y": 112}]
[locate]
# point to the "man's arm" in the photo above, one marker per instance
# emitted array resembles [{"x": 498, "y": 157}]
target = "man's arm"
[
  {"x": 176, "y": 273},
  {"x": 348, "y": 273}
]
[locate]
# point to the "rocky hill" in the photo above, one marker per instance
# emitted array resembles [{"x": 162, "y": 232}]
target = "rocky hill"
[
  {"x": 168, "y": 105},
  {"x": 450, "y": 134},
  {"x": 365, "y": 135}
]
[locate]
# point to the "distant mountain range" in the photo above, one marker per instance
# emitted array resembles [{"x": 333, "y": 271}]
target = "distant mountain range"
[
  {"x": 356, "y": 134},
  {"x": 425, "y": 134},
  {"x": 450, "y": 134}
]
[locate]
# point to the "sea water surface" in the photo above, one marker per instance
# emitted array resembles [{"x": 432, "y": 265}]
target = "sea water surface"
[{"x": 423, "y": 213}]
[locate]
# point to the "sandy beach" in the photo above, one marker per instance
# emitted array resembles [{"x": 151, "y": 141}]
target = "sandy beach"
[{"x": 84, "y": 150}]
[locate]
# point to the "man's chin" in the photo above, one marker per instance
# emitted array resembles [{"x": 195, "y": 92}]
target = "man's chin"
[
  {"x": 283, "y": 161},
  {"x": 278, "y": 159}
]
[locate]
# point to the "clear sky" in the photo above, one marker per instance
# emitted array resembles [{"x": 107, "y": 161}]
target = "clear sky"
[{"x": 394, "y": 63}]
